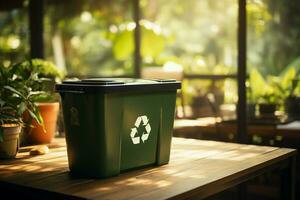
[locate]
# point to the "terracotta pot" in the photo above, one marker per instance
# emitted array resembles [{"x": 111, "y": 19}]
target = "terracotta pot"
[
  {"x": 36, "y": 135},
  {"x": 9, "y": 147}
]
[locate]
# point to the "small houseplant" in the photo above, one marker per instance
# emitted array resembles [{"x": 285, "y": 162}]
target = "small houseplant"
[
  {"x": 264, "y": 93},
  {"x": 292, "y": 101},
  {"x": 16, "y": 97},
  {"x": 275, "y": 90},
  {"x": 48, "y": 101},
  {"x": 289, "y": 87},
  {"x": 267, "y": 104}
]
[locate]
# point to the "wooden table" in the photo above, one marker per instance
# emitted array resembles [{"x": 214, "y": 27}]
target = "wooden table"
[
  {"x": 210, "y": 125},
  {"x": 197, "y": 169}
]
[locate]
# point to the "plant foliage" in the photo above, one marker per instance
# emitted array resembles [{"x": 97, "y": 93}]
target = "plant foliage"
[{"x": 17, "y": 96}]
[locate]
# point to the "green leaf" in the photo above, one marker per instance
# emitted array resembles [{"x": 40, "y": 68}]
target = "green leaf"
[
  {"x": 14, "y": 90},
  {"x": 35, "y": 116},
  {"x": 34, "y": 95},
  {"x": 287, "y": 79},
  {"x": 257, "y": 83},
  {"x": 152, "y": 43},
  {"x": 21, "y": 108},
  {"x": 2, "y": 102},
  {"x": 294, "y": 64},
  {"x": 296, "y": 91},
  {"x": 43, "y": 97},
  {"x": 43, "y": 67},
  {"x": 123, "y": 45}
]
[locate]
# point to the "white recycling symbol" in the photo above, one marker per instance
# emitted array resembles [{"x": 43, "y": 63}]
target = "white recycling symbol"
[{"x": 134, "y": 131}]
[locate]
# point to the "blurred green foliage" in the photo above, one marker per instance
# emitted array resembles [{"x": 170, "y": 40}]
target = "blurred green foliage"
[
  {"x": 201, "y": 40},
  {"x": 273, "y": 89},
  {"x": 42, "y": 67},
  {"x": 13, "y": 36},
  {"x": 18, "y": 96},
  {"x": 273, "y": 34},
  {"x": 96, "y": 38}
]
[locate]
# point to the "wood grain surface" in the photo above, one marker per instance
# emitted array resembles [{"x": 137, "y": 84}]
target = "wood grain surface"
[{"x": 197, "y": 168}]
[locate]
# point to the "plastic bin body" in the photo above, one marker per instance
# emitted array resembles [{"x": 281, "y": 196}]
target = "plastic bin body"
[{"x": 111, "y": 132}]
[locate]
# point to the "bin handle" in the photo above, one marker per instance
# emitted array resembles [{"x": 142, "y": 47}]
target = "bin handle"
[{"x": 72, "y": 91}]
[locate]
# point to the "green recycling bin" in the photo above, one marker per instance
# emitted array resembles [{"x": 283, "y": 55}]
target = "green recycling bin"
[{"x": 115, "y": 125}]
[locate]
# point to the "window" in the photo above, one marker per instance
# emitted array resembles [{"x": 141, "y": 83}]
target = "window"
[
  {"x": 199, "y": 38},
  {"x": 91, "y": 38},
  {"x": 14, "y": 35},
  {"x": 273, "y": 35}
]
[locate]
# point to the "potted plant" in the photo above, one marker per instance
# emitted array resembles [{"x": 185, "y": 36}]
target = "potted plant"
[
  {"x": 48, "y": 101},
  {"x": 264, "y": 92},
  {"x": 16, "y": 97},
  {"x": 275, "y": 91},
  {"x": 289, "y": 86},
  {"x": 267, "y": 104}
]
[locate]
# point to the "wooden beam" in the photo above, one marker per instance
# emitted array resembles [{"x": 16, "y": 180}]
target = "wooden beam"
[
  {"x": 137, "y": 39},
  {"x": 210, "y": 76},
  {"x": 36, "y": 28},
  {"x": 242, "y": 71}
]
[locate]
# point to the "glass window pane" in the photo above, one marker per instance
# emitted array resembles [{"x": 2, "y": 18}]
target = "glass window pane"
[
  {"x": 196, "y": 38},
  {"x": 14, "y": 38},
  {"x": 198, "y": 35},
  {"x": 273, "y": 35},
  {"x": 91, "y": 38},
  {"x": 273, "y": 54}
]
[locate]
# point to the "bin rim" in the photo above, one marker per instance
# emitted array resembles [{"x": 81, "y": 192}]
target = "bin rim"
[{"x": 117, "y": 84}]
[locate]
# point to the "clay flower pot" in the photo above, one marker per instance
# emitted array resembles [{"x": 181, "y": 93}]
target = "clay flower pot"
[
  {"x": 37, "y": 135},
  {"x": 9, "y": 147}
]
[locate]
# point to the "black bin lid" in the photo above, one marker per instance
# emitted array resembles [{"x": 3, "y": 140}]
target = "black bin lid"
[{"x": 117, "y": 85}]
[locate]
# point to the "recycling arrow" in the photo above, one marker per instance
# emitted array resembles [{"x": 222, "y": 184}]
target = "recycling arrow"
[
  {"x": 140, "y": 121},
  {"x": 135, "y": 140}
]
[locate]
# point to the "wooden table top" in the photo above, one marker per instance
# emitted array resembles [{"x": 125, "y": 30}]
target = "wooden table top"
[
  {"x": 215, "y": 125},
  {"x": 196, "y": 167}
]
